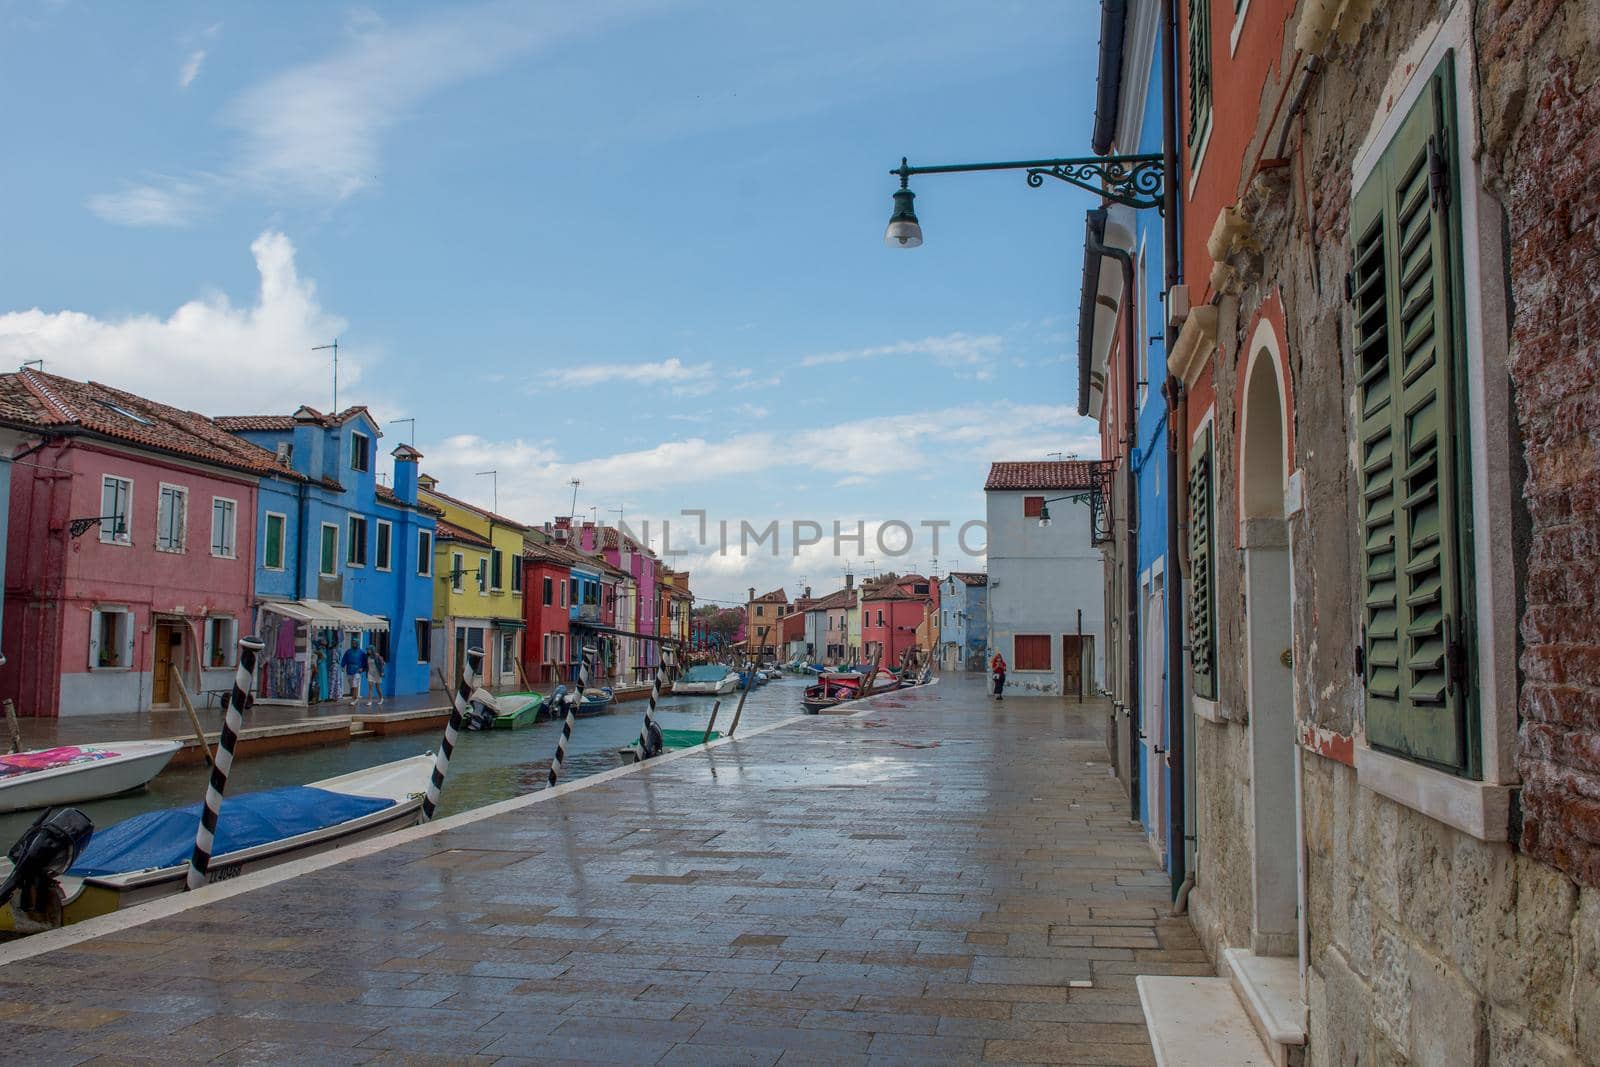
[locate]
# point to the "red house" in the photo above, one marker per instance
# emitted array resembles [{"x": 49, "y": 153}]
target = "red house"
[
  {"x": 890, "y": 616},
  {"x": 546, "y": 576}
]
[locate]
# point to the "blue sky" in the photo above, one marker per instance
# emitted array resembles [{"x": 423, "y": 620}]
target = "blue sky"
[{"x": 635, "y": 243}]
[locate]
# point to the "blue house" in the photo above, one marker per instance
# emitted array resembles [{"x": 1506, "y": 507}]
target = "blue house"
[
  {"x": 963, "y": 621},
  {"x": 341, "y": 560},
  {"x": 1127, "y": 121}
]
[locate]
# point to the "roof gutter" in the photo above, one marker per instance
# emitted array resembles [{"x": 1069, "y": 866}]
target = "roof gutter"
[
  {"x": 1094, "y": 232},
  {"x": 1108, "y": 86}
]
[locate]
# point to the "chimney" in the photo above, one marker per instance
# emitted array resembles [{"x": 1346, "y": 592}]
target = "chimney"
[
  {"x": 426, "y": 481},
  {"x": 405, "y": 473},
  {"x": 752, "y": 593},
  {"x": 849, "y": 580},
  {"x": 808, "y": 592}
]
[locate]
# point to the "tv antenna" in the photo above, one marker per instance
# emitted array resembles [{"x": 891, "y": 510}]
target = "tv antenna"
[{"x": 335, "y": 347}]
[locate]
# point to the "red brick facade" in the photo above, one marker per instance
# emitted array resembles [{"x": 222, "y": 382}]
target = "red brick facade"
[{"x": 1553, "y": 205}]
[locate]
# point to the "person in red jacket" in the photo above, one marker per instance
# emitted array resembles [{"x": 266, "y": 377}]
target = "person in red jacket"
[{"x": 997, "y": 669}]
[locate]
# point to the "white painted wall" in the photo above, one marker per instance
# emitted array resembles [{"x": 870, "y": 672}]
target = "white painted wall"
[{"x": 1039, "y": 578}]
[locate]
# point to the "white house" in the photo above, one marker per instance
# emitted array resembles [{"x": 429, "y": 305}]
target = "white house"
[{"x": 1046, "y": 610}]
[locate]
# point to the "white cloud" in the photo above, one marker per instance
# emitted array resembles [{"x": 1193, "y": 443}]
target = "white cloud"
[
  {"x": 316, "y": 130},
  {"x": 208, "y": 355},
  {"x": 959, "y": 351},
  {"x": 667, "y": 371},
  {"x": 191, "y": 68},
  {"x": 752, "y": 411},
  {"x": 172, "y": 203}
]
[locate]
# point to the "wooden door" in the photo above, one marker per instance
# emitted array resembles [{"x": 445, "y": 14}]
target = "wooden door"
[
  {"x": 169, "y": 654},
  {"x": 1072, "y": 665}
]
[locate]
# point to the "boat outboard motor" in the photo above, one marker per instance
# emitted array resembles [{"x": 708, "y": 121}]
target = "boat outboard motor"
[
  {"x": 40, "y": 856},
  {"x": 653, "y": 741}
]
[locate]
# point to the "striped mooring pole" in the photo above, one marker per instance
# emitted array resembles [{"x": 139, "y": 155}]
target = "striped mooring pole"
[
  {"x": 452, "y": 727},
  {"x": 566, "y": 727},
  {"x": 645, "y": 746},
  {"x": 244, "y": 681}
]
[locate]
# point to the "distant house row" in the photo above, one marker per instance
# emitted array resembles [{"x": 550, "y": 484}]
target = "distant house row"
[
  {"x": 140, "y": 540},
  {"x": 886, "y": 615}
]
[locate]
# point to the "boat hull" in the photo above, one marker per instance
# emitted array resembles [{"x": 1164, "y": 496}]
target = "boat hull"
[
  {"x": 136, "y": 763},
  {"x": 403, "y": 781},
  {"x": 526, "y": 715}
]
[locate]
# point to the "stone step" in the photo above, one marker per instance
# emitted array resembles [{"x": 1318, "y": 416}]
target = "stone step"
[
  {"x": 1198, "y": 1022},
  {"x": 1269, "y": 989}
]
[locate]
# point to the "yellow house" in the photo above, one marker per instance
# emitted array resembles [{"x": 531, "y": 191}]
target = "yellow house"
[{"x": 478, "y": 600}]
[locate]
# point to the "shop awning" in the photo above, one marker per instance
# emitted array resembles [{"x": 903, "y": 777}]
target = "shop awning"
[
  {"x": 510, "y": 624},
  {"x": 323, "y": 614}
]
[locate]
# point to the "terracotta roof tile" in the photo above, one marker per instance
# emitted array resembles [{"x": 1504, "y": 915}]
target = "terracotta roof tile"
[
  {"x": 970, "y": 577},
  {"x": 777, "y": 596},
  {"x": 450, "y": 532},
  {"x": 385, "y": 494},
  {"x": 1068, "y": 474},
  {"x": 245, "y": 423},
  {"x": 475, "y": 509},
  {"x": 66, "y": 405}
]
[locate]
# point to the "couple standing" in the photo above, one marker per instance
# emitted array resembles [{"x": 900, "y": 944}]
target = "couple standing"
[{"x": 357, "y": 662}]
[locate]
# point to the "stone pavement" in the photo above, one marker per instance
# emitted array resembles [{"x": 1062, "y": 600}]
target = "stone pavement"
[{"x": 936, "y": 879}]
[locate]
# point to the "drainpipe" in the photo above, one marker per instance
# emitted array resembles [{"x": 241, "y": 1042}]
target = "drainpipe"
[
  {"x": 1177, "y": 717},
  {"x": 1130, "y": 632}
]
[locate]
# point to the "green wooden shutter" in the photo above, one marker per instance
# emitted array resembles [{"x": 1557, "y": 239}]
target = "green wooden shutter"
[
  {"x": 1199, "y": 68},
  {"x": 1202, "y": 572},
  {"x": 1405, "y": 293}
]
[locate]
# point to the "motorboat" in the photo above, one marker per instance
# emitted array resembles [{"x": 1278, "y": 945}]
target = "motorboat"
[
  {"x": 671, "y": 741},
  {"x": 595, "y": 700},
  {"x": 72, "y": 774},
  {"x": 745, "y": 681},
  {"x": 516, "y": 710},
  {"x": 710, "y": 678},
  {"x": 832, "y": 688},
  {"x": 147, "y": 856}
]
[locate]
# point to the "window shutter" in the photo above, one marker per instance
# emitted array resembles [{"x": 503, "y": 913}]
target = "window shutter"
[
  {"x": 1411, "y": 503},
  {"x": 1202, "y": 608}
]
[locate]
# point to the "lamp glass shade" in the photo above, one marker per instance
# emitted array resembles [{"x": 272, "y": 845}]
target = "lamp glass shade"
[
  {"x": 1044, "y": 517},
  {"x": 904, "y": 231}
]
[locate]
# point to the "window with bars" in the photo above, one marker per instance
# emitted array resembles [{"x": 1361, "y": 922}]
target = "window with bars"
[
  {"x": 1202, "y": 571},
  {"x": 1199, "y": 71},
  {"x": 1413, "y": 480},
  {"x": 1030, "y": 652}
]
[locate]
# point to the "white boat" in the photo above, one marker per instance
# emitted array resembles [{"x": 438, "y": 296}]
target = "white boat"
[
  {"x": 72, "y": 774},
  {"x": 711, "y": 678},
  {"x": 270, "y": 827}
]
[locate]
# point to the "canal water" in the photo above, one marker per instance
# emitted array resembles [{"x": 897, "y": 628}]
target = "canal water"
[{"x": 488, "y": 766}]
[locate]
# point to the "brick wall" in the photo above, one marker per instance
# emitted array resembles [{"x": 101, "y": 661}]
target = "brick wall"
[{"x": 1552, "y": 195}]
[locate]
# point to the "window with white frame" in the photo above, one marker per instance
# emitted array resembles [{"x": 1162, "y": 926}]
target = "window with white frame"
[
  {"x": 497, "y": 560},
  {"x": 360, "y": 452},
  {"x": 356, "y": 551},
  {"x": 328, "y": 564},
  {"x": 424, "y": 630},
  {"x": 224, "y": 527},
  {"x": 516, "y": 575},
  {"x": 221, "y": 641},
  {"x": 272, "y": 544},
  {"x": 111, "y": 639},
  {"x": 116, "y": 510},
  {"x": 383, "y": 550},
  {"x": 458, "y": 565},
  {"x": 425, "y": 553},
  {"x": 483, "y": 575},
  {"x": 171, "y": 518}
]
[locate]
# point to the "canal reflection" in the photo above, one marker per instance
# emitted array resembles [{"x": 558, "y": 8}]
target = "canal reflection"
[{"x": 488, "y": 766}]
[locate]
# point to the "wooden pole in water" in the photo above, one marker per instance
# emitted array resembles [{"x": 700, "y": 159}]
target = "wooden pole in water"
[
  {"x": 872, "y": 673},
  {"x": 645, "y": 747},
  {"x": 452, "y": 727},
  {"x": 199, "y": 731},
  {"x": 566, "y": 727},
  {"x": 522, "y": 675},
  {"x": 749, "y": 682},
  {"x": 11, "y": 725},
  {"x": 707, "y": 738},
  {"x": 244, "y": 680}
]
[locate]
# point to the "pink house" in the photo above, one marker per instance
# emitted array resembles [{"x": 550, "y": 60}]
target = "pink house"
[{"x": 131, "y": 550}]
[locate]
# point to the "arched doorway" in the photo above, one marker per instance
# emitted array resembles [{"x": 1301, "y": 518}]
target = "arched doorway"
[{"x": 1264, "y": 541}]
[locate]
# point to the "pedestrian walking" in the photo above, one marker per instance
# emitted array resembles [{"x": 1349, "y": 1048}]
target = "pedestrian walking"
[
  {"x": 997, "y": 670},
  {"x": 375, "y": 667},
  {"x": 354, "y": 664}
]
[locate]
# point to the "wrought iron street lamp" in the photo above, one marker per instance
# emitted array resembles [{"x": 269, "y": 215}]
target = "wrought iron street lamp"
[{"x": 1131, "y": 180}]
